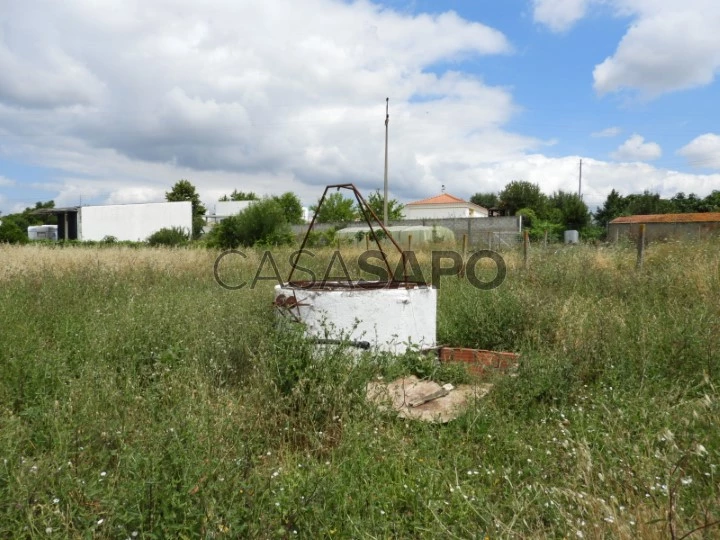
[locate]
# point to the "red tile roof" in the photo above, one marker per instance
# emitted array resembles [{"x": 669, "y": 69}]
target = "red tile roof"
[
  {"x": 443, "y": 198},
  {"x": 670, "y": 218}
]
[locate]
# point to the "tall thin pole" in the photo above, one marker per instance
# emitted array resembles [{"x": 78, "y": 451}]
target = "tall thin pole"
[
  {"x": 580, "y": 180},
  {"x": 385, "y": 199}
]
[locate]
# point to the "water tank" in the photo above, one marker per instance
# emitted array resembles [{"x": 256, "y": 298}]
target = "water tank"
[
  {"x": 572, "y": 237},
  {"x": 388, "y": 316}
]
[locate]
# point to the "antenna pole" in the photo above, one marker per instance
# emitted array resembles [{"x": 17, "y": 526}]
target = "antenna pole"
[
  {"x": 580, "y": 181},
  {"x": 385, "y": 199}
]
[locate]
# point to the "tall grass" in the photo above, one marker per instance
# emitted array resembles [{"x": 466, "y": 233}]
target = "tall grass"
[{"x": 140, "y": 399}]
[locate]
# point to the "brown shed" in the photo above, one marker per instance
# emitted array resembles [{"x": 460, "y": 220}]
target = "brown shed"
[{"x": 666, "y": 226}]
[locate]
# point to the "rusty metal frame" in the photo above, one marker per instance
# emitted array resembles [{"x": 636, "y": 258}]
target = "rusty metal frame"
[{"x": 367, "y": 212}]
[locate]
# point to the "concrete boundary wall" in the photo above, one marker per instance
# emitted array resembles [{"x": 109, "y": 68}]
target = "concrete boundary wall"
[{"x": 493, "y": 233}]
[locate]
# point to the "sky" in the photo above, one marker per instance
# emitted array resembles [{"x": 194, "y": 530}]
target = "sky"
[{"x": 106, "y": 102}]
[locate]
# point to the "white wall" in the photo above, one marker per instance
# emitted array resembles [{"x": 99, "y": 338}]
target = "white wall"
[
  {"x": 133, "y": 222},
  {"x": 439, "y": 211},
  {"x": 230, "y": 208},
  {"x": 387, "y": 318}
]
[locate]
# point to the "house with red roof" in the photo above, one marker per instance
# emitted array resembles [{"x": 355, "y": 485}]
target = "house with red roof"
[{"x": 443, "y": 206}]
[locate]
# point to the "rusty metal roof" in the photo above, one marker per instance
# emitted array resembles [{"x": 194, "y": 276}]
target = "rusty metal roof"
[{"x": 699, "y": 217}]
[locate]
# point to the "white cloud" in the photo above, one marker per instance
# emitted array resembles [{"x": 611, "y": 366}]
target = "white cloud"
[
  {"x": 224, "y": 92},
  {"x": 270, "y": 97},
  {"x": 670, "y": 46},
  {"x": 6, "y": 181},
  {"x": 608, "y": 132},
  {"x": 139, "y": 194},
  {"x": 559, "y": 15},
  {"x": 636, "y": 149},
  {"x": 703, "y": 151}
]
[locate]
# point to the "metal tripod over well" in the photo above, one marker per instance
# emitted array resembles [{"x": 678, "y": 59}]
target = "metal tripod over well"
[{"x": 369, "y": 217}]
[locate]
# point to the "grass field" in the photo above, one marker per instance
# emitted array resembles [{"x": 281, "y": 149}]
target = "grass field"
[{"x": 139, "y": 399}]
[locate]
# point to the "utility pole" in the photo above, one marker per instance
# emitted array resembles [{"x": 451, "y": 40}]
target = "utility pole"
[
  {"x": 385, "y": 199},
  {"x": 580, "y": 181}
]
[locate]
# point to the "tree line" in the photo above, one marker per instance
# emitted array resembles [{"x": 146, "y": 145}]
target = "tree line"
[
  {"x": 567, "y": 211},
  {"x": 269, "y": 219}
]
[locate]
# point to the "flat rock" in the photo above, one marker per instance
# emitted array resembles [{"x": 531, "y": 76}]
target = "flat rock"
[{"x": 397, "y": 395}]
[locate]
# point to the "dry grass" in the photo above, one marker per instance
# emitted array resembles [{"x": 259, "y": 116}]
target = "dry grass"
[{"x": 145, "y": 398}]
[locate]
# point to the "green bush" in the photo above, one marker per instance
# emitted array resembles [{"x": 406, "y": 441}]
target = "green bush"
[
  {"x": 262, "y": 223},
  {"x": 11, "y": 233},
  {"x": 174, "y": 236}
]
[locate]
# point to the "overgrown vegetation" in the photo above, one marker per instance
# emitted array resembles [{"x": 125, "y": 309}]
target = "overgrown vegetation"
[
  {"x": 262, "y": 223},
  {"x": 13, "y": 227},
  {"x": 173, "y": 237},
  {"x": 548, "y": 216},
  {"x": 140, "y": 399}
]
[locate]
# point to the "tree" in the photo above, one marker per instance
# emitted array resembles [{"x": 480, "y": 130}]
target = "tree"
[
  {"x": 240, "y": 196},
  {"x": 615, "y": 206},
  {"x": 711, "y": 203},
  {"x": 574, "y": 213},
  {"x": 529, "y": 218},
  {"x": 11, "y": 233},
  {"x": 22, "y": 220},
  {"x": 521, "y": 194},
  {"x": 682, "y": 204},
  {"x": 183, "y": 190},
  {"x": 376, "y": 201},
  {"x": 262, "y": 222},
  {"x": 647, "y": 203},
  {"x": 292, "y": 207},
  {"x": 486, "y": 200},
  {"x": 336, "y": 208}
]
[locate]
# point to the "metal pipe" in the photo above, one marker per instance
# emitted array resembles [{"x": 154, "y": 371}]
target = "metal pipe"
[{"x": 385, "y": 200}]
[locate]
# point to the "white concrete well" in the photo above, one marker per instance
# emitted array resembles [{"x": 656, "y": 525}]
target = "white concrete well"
[{"x": 389, "y": 317}]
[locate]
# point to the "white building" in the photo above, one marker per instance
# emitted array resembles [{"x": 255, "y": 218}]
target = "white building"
[
  {"x": 225, "y": 209},
  {"x": 133, "y": 222},
  {"x": 443, "y": 206}
]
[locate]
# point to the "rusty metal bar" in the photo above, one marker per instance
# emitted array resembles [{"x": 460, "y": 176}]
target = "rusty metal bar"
[
  {"x": 307, "y": 233},
  {"x": 366, "y": 212},
  {"x": 387, "y": 234},
  {"x": 372, "y": 232}
]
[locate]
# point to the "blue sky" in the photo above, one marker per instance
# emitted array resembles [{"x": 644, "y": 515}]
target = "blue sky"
[{"x": 109, "y": 103}]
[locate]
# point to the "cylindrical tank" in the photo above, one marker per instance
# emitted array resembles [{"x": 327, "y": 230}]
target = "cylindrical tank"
[
  {"x": 391, "y": 317},
  {"x": 572, "y": 237}
]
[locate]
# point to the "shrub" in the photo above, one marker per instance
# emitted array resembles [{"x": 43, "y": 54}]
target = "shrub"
[
  {"x": 174, "y": 236},
  {"x": 11, "y": 233},
  {"x": 261, "y": 223}
]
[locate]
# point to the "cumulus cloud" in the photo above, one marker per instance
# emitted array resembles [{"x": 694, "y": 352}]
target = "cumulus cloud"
[
  {"x": 124, "y": 99},
  {"x": 670, "y": 46},
  {"x": 636, "y": 149},
  {"x": 608, "y": 132},
  {"x": 559, "y": 15},
  {"x": 6, "y": 181},
  {"x": 703, "y": 151},
  {"x": 228, "y": 90}
]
